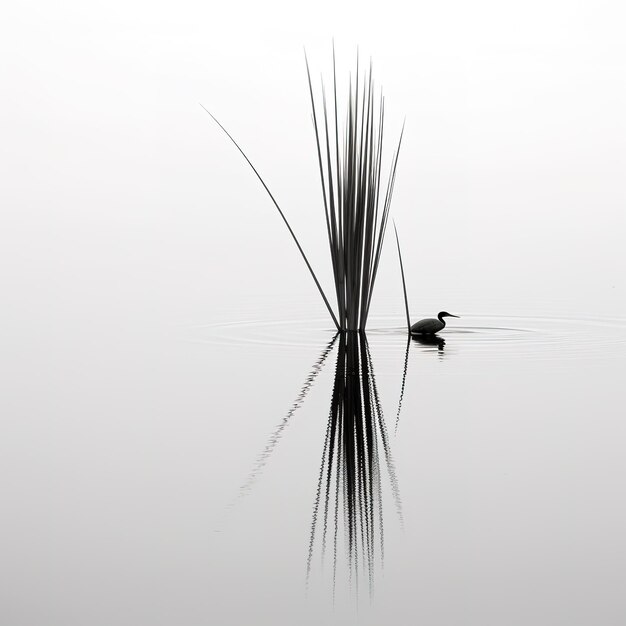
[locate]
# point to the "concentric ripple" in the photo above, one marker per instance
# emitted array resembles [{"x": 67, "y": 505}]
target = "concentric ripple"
[{"x": 480, "y": 335}]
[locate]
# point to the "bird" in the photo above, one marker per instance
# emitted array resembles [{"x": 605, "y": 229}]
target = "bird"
[{"x": 430, "y": 325}]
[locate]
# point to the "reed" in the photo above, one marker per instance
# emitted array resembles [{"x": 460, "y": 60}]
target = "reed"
[
  {"x": 350, "y": 157},
  {"x": 406, "y": 298},
  {"x": 356, "y": 200}
]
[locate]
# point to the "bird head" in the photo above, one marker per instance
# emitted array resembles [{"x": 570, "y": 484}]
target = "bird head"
[{"x": 446, "y": 314}]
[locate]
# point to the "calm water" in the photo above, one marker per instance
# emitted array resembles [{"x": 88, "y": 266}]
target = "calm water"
[
  {"x": 252, "y": 470},
  {"x": 178, "y": 450}
]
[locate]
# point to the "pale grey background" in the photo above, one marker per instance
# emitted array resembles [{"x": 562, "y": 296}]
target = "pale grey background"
[
  {"x": 128, "y": 221},
  {"x": 515, "y": 147}
]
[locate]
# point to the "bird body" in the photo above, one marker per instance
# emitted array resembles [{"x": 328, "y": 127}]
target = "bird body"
[{"x": 431, "y": 325}]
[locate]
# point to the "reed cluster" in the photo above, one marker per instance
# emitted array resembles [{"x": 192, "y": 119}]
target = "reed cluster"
[{"x": 356, "y": 200}]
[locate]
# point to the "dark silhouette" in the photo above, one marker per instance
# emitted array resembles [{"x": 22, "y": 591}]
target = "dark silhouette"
[
  {"x": 355, "y": 198},
  {"x": 430, "y": 325},
  {"x": 356, "y": 462},
  {"x": 430, "y": 340},
  {"x": 349, "y": 489}
]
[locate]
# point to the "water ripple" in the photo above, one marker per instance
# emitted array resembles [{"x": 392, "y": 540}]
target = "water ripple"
[{"x": 477, "y": 335}]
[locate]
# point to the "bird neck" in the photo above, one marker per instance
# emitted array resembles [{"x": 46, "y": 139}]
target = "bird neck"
[{"x": 441, "y": 319}]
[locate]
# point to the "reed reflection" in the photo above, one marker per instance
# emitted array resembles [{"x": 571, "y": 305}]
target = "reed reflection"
[
  {"x": 277, "y": 433},
  {"x": 349, "y": 495},
  {"x": 356, "y": 471}
]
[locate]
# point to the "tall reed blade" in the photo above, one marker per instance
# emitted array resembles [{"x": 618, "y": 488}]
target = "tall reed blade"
[
  {"x": 280, "y": 211},
  {"x": 350, "y": 163},
  {"x": 406, "y": 299}
]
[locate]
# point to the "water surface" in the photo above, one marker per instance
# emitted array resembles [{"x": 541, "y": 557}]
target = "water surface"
[{"x": 261, "y": 470}]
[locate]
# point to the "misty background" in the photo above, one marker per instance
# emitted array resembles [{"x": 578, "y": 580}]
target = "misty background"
[
  {"x": 120, "y": 194},
  {"x": 129, "y": 223}
]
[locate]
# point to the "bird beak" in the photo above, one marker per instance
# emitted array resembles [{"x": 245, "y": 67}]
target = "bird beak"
[{"x": 454, "y": 315}]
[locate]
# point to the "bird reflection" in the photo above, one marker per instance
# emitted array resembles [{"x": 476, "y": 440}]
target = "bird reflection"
[
  {"x": 350, "y": 483},
  {"x": 430, "y": 340}
]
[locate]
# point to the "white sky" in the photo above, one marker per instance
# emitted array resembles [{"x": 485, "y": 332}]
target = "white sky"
[{"x": 511, "y": 181}]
